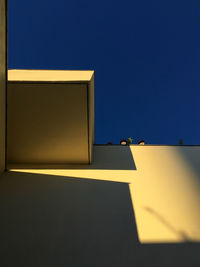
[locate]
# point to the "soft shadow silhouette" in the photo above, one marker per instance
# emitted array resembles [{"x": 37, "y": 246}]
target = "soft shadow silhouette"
[
  {"x": 159, "y": 217},
  {"x": 104, "y": 157}
]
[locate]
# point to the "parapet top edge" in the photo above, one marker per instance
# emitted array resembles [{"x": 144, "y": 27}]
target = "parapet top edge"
[{"x": 50, "y": 75}]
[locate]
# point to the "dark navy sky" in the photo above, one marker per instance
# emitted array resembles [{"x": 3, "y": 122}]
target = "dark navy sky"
[{"x": 146, "y": 57}]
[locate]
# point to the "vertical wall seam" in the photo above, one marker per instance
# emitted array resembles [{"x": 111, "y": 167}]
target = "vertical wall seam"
[{"x": 88, "y": 123}]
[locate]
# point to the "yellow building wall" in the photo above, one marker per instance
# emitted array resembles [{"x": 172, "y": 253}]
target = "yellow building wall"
[
  {"x": 50, "y": 117},
  {"x": 3, "y": 67},
  {"x": 163, "y": 181}
]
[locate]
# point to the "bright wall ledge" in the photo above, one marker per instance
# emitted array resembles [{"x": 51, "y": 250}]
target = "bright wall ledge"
[{"x": 50, "y": 75}]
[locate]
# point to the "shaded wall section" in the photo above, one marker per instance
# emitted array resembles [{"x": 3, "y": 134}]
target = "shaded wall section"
[
  {"x": 104, "y": 158},
  {"x": 47, "y": 123},
  {"x": 61, "y": 221},
  {"x": 3, "y": 70}
]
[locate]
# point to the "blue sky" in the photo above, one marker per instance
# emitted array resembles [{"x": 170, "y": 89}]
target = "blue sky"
[{"x": 146, "y": 57}]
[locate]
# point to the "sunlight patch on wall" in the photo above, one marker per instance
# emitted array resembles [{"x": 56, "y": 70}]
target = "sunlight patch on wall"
[{"x": 166, "y": 195}]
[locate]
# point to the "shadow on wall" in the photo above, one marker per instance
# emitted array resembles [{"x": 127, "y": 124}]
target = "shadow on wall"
[
  {"x": 180, "y": 234},
  {"x": 113, "y": 157},
  {"x": 60, "y": 221}
]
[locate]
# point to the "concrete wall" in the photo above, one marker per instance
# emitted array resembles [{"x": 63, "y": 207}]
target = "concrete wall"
[
  {"x": 3, "y": 69},
  {"x": 164, "y": 184}
]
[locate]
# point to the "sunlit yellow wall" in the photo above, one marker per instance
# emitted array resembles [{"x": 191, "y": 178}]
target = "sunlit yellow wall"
[
  {"x": 166, "y": 193},
  {"x": 164, "y": 183},
  {"x": 2, "y": 81}
]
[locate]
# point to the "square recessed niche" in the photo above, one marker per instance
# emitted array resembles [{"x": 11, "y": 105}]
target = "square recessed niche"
[{"x": 50, "y": 117}]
